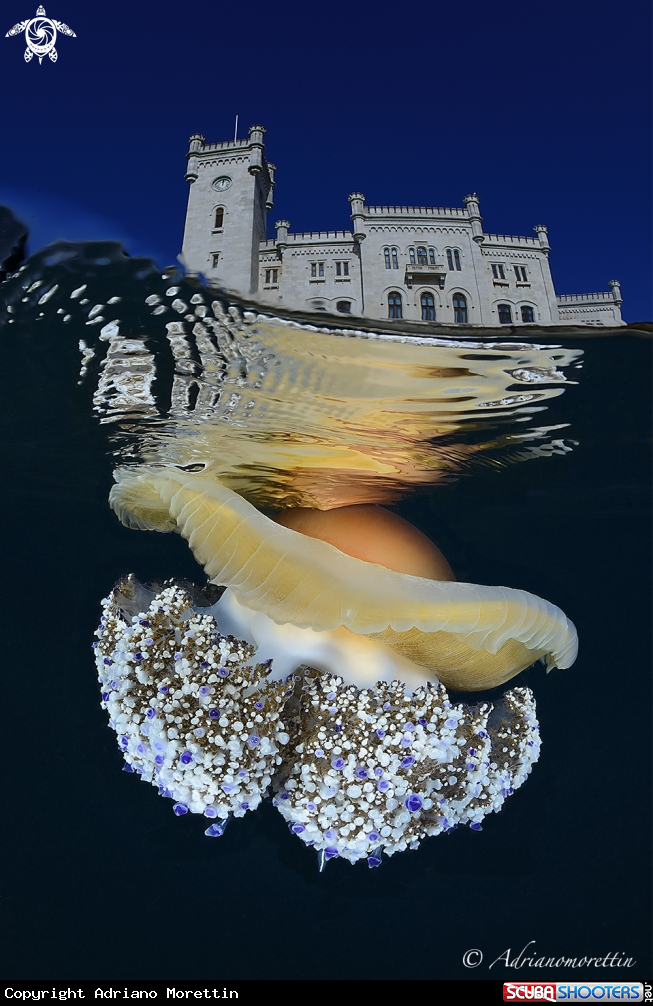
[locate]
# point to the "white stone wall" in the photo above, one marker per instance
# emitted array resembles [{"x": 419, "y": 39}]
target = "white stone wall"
[
  {"x": 297, "y": 287},
  {"x": 236, "y": 244}
]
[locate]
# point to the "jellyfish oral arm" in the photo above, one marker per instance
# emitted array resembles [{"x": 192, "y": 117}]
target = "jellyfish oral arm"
[{"x": 357, "y": 659}]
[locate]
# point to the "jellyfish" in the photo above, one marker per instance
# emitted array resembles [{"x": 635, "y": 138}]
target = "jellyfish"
[{"x": 321, "y": 671}]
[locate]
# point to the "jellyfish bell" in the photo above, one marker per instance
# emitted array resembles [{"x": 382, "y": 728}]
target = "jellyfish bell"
[
  {"x": 373, "y": 534},
  {"x": 286, "y": 587}
]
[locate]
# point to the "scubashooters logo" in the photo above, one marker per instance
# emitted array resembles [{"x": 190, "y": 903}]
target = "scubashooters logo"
[{"x": 40, "y": 35}]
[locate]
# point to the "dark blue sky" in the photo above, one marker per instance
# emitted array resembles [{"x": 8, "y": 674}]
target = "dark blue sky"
[{"x": 543, "y": 109}]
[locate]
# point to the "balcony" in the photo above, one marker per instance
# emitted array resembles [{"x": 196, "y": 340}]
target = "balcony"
[{"x": 423, "y": 273}]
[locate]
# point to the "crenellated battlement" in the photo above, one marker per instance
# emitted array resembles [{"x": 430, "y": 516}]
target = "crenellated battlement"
[{"x": 415, "y": 211}]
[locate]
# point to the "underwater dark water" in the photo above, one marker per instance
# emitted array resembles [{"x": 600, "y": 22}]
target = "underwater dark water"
[{"x": 100, "y": 880}]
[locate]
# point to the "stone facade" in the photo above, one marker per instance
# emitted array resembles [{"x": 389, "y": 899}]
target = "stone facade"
[{"x": 410, "y": 262}]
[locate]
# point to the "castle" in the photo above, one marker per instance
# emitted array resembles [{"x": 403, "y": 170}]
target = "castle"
[{"x": 398, "y": 262}]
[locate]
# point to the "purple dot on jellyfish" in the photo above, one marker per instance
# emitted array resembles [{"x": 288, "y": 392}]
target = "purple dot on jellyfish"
[
  {"x": 374, "y": 860},
  {"x": 107, "y": 695},
  {"x": 407, "y": 762},
  {"x": 214, "y": 714},
  {"x": 159, "y": 760},
  {"x": 451, "y": 722},
  {"x": 284, "y": 796},
  {"x": 242, "y": 774},
  {"x": 333, "y": 710},
  {"x": 114, "y": 684},
  {"x": 378, "y": 771},
  {"x": 205, "y": 690},
  {"x": 413, "y": 803},
  {"x": 329, "y": 835},
  {"x": 380, "y": 733},
  {"x": 95, "y": 646},
  {"x": 311, "y": 807},
  {"x": 361, "y": 773},
  {"x": 163, "y": 688},
  {"x": 253, "y": 740},
  {"x": 215, "y": 830},
  {"x": 330, "y": 852},
  {"x": 178, "y": 656},
  {"x": 475, "y": 826},
  {"x": 107, "y": 660},
  {"x": 210, "y": 812},
  {"x": 337, "y": 763},
  {"x": 337, "y": 728},
  {"x": 204, "y": 664},
  {"x": 186, "y": 758},
  {"x": 386, "y": 707},
  {"x": 383, "y": 785},
  {"x": 245, "y": 806},
  {"x": 144, "y": 621},
  {"x": 331, "y": 696},
  {"x": 422, "y": 722},
  {"x": 124, "y": 742},
  {"x": 140, "y": 749},
  {"x": 405, "y": 742},
  {"x": 151, "y": 713},
  {"x": 297, "y": 828},
  {"x": 472, "y": 751},
  {"x": 470, "y": 766},
  {"x": 258, "y": 705},
  {"x": 128, "y": 768},
  {"x": 223, "y": 672},
  {"x": 409, "y": 727},
  {"x": 373, "y": 837},
  {"x": 319, "y": 753},
  {"x": 138, "y": 656}
]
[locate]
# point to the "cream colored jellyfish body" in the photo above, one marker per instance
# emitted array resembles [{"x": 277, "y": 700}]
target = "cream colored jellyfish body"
[
  {"x": 364, "y": 750},
  {"x": 469, "y": 637}
]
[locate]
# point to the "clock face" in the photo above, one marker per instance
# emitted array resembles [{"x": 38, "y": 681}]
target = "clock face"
[{"x": 222, "y": 183}]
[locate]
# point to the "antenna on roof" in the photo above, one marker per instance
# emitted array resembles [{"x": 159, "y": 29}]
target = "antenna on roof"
[{"x": 236, "y": 129}]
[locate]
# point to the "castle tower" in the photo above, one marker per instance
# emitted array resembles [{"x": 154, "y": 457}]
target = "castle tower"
[{"x": 230, "y": 193}]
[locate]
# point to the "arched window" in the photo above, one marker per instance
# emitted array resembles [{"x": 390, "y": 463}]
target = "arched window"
[
  {"x": 505, "y": 314},
  {"x": 456, "y": 258},
  {"x": 528, "y": 315},
  {"x": 395, "y": 261},
  {"x": 219, "y": 218},
  {"x": 386, "y": 253},
  {"x": 344, "y": 306},
  {"x": 394, "y": 305},
  {"x": 428, "y": 307},
  {"x": 431, "y": 256},
  {"x": 459, "y": 309},
  {"x": 411, "y": 255},
  {"x": 421, "y": 256},
  {"x": 450, "y": 259}
]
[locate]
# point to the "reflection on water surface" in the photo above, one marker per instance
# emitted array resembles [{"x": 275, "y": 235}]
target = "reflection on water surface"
[{"x": 287, "y": 413}]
